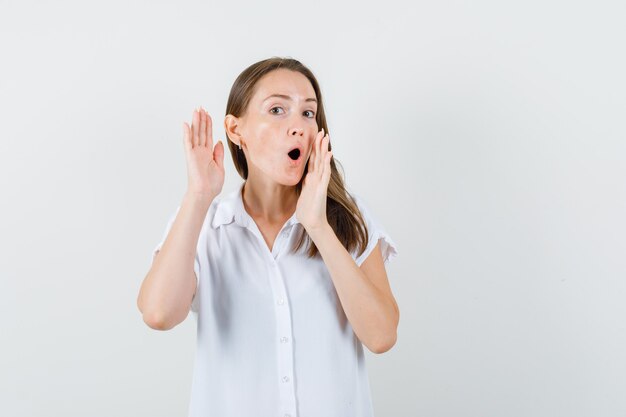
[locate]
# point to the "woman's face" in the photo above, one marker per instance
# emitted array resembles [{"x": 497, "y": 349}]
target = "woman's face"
[{"x": 280, "y": 117}]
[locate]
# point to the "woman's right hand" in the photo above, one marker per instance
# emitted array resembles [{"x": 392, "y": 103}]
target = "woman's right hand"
[{"x": 205, "y": 165}]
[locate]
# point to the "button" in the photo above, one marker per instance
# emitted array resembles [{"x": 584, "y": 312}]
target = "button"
[
  {"x": 283, "y": 339},
  {"x": 281, "y": 302},
  {"x": 285, "y": 379}
]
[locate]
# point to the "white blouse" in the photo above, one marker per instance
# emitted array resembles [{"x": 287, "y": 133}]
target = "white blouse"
[{"x": 272, "y": 337}]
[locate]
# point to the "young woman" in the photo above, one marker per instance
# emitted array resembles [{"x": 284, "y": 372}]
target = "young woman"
[{"x": 285, "y": 275}]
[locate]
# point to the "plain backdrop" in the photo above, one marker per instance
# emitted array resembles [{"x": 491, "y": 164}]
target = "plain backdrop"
[{"x": 488, "y": 137}]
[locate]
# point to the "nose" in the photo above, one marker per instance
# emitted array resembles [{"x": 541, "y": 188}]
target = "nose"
[{"x": 296, "y": 131}]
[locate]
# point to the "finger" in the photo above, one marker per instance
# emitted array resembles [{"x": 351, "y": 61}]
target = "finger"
[
  {"x": 325, "y": 149},
  {"x": 218, "y": 154},
  {"x": 325, "y": 143},
  {"x": 202, "y": 132},
  {"x": 324, "y": 153},
  {"x": 327, "y": 168},
  {"x": 311, "y": 166},
  {"x": 311, "y": 159},
  {"x": 194, "y": 128},
  {"x": 318, "y": 155},
  {"x": 318, "y": 147},
  {"x": 186, "y": 139},
  {"x": 313, "y": 155},
  {"x": 326, "y": 158},
  {"x": 209, "y": 131}
]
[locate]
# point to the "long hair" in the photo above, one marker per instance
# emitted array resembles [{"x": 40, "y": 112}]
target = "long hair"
[{"x": 342, "y": 212}]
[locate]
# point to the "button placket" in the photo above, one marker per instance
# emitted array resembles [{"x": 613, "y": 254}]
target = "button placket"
[{"x": 284, "y": 349}]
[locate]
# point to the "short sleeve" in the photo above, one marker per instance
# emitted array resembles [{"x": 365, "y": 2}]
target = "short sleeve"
[
  {"x": 196, "y": 262},
  {"x": 376, "y": 232}
]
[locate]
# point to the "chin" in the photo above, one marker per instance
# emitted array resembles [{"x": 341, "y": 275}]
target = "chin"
[{"x": 290, "y": 180}]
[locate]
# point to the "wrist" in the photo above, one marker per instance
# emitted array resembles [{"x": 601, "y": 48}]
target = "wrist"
[
  {"x": 319, "y": 231},
  {"x": 198, "y": 199}
]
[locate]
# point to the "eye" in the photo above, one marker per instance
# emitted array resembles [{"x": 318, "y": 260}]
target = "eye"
[
  {"x": 312, "y": 113},
  {"x": 276, "y": 107}
]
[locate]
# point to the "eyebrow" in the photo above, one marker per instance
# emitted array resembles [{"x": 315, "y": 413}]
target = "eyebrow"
[{"x": 286, "y": 97}]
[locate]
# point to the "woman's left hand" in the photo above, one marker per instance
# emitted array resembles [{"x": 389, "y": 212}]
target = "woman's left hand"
[{"x": 311, "y": 206}]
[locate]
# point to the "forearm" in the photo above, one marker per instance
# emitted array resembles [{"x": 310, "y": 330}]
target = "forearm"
[
  {"x": 373, "y": 316},
  {"x": 166, "y": 292}
]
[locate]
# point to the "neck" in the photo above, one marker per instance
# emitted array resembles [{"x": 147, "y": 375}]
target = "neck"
[{"x": 269, "y": 202}]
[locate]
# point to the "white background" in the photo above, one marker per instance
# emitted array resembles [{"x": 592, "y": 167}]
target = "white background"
[{"x": 488, "y": 137}]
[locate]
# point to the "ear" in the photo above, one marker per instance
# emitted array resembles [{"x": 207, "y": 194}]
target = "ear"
[{"x": 232, "y": 126}]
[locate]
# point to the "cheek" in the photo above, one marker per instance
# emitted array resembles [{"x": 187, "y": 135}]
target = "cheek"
[
  {"x": 265, "y": 135},
  {"x": 266, "y": 151}
]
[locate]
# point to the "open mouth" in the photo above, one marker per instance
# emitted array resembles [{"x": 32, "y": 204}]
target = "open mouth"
[{"x": 294, "y": 154}]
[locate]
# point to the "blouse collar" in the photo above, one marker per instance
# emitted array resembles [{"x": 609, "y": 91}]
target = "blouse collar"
[{"x": 230, "y": 209}]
